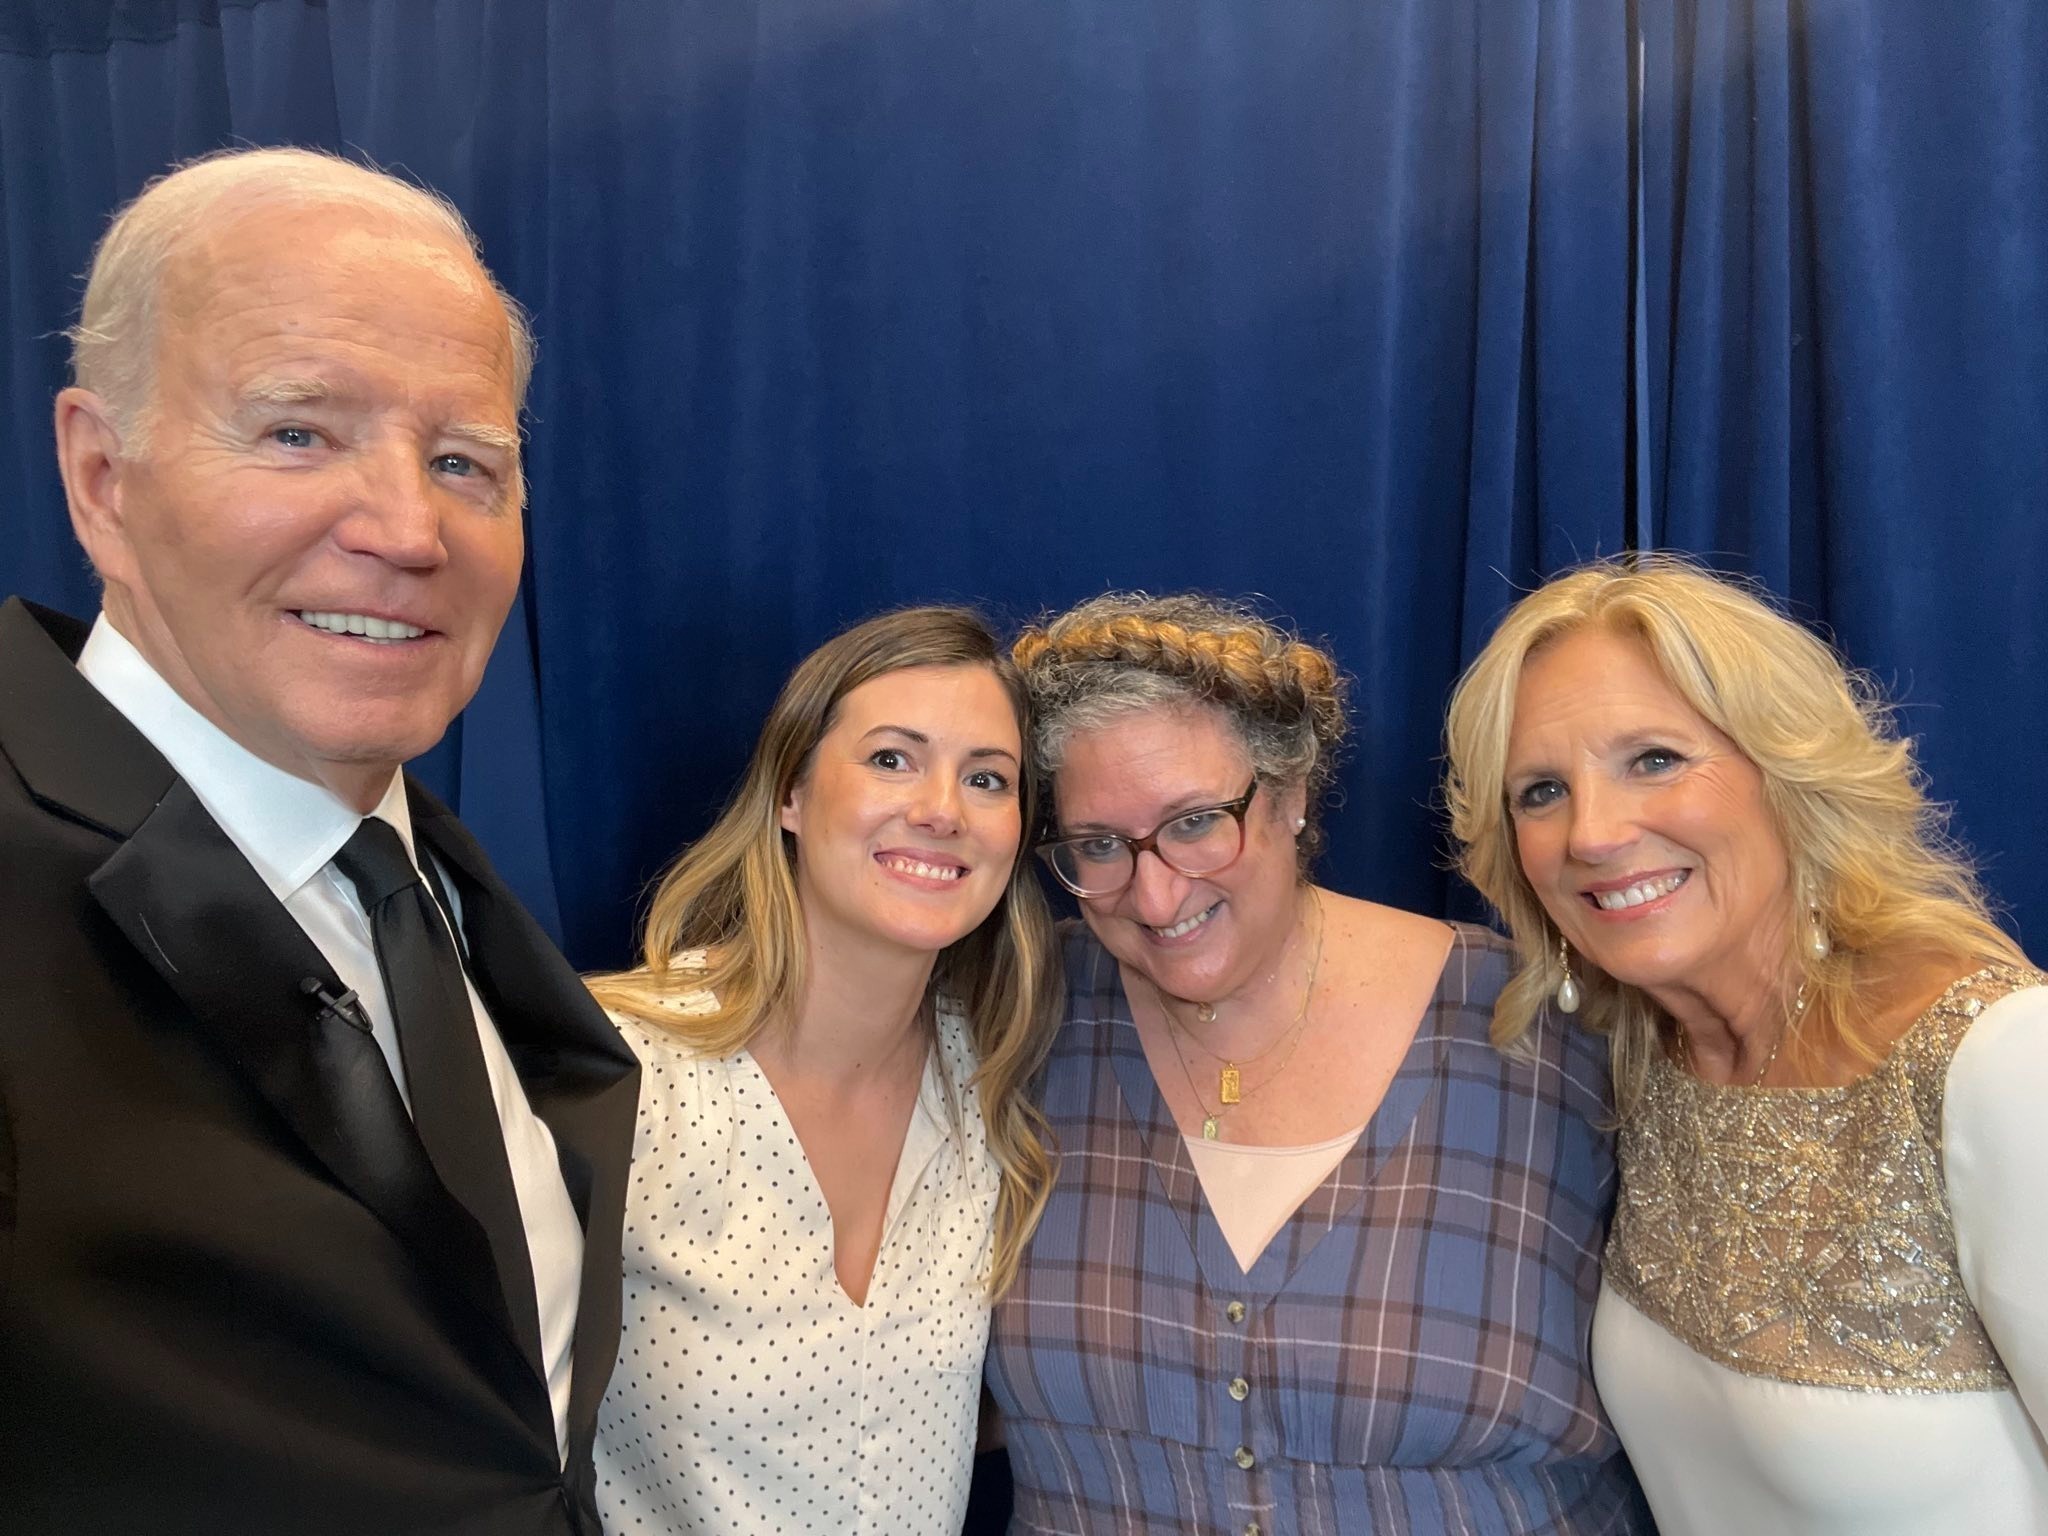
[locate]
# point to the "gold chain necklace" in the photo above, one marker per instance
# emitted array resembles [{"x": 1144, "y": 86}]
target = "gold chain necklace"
[
  {"x": 1770, "y": 1058},
  {"x": 1230, "y": 1090}
]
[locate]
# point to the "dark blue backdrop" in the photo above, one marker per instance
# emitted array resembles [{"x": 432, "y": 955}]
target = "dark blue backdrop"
[{"x": 1372, "y": 307}]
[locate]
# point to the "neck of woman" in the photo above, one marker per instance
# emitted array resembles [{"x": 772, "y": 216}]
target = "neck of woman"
[
  {"x": 861, "y": 1014},
  {"x": 1889, "y": 994},
  {"x": 1733, "y": 1046},
  {"x": 1732, "y": 1017},
  {"x": 1277, "y": 992}
]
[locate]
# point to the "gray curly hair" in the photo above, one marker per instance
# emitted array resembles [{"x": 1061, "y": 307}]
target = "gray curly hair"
[{"x": 1128, "y": 652}]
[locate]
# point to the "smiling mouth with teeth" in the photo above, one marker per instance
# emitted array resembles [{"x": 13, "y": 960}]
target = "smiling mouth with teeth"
[
  {"x": 1187, "y": 925},
  {"x": 921, "y": 869},
  {"x": 1638, "y": 894},
  {"x": 361, "y": 626}
]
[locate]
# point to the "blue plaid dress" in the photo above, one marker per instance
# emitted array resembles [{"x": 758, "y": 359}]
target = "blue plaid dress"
[{"x": 1409, "y": 1354}]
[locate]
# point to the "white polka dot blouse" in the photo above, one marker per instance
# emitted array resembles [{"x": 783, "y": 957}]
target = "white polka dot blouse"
[{"x": 751, "y": 1396}]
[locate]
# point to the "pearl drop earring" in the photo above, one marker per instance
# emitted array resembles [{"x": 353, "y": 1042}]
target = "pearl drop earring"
[
  {"x": 1817, "y": 945},
  {"x": 1568, "y": 988}
]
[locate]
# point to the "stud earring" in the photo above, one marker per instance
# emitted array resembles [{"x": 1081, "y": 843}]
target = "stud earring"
[
  {"x": 1568, "y": 988},
  {"x": 1300, "y": 825},
  {"x": 1817, "y": 945}
]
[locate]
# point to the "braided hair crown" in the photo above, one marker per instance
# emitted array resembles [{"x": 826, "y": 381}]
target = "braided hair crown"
[{"x": 1128, "y": 652}]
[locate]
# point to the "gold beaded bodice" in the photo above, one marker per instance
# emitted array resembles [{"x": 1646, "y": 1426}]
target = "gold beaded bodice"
[{"x": 1804, "y": 1233}]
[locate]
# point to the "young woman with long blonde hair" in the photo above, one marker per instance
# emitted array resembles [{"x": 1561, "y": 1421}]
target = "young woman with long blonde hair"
[{"x": 841, "y": 994}]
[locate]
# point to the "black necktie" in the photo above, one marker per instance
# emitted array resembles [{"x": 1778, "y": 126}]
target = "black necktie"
[{"x": 452, "y": 1108}]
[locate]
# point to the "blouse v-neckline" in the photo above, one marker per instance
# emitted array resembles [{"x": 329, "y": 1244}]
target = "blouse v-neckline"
[
  {"x": 922, "y": 1137},
  {"x": 1328, "y": 1204}
]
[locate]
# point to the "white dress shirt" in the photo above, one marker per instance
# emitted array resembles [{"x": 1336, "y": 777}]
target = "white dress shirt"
[
  {"x": 752, "y": 1397},
  {"x": 290, "y": 829},
  {"x": 1719, "y": 1451}
]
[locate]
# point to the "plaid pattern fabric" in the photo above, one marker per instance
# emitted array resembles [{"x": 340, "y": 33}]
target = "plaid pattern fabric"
[{"x": 1408, "y": 1355}]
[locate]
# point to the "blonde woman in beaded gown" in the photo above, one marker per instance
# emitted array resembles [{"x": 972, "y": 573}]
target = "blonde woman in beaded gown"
[{"x": 1824, "y": 1309}]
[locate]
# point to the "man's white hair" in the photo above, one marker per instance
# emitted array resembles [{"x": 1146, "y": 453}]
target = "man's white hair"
[{"x": 113, "y": 346}]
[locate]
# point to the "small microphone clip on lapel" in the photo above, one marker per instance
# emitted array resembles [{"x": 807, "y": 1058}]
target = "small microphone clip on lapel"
[{"x": 347, "y": 1007}]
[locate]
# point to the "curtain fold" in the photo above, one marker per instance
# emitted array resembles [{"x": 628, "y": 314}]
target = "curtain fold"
[
  {"x": 1375, "y": 311},
  {"x": 1847, "y": 235},
  {"x": 1014, "y": 303}
]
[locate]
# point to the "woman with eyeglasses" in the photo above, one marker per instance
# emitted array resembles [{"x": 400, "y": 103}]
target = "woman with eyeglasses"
[{"x": 1317, "y": 1258}]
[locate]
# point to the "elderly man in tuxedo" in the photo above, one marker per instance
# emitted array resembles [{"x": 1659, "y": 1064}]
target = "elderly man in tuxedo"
[{"x": 312, "y": 1148}]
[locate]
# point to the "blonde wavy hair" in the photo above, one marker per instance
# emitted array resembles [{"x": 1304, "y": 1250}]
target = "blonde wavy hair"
[
  {"x": 732, "y": 895},
  {"x": 1127, "y": 652},
  {"x": 1866, "y": 846}
]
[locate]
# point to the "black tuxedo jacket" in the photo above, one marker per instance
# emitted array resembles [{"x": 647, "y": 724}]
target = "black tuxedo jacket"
[{"x": 233, "y": 1295}]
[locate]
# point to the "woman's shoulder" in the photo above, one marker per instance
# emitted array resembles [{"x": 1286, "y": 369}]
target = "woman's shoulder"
[
  {"x": 1556, "y": 1057},
  {"x": 1094, "y": 986},
  {"x": 1407, "y": 960},
  {"x": 659, "y": 1046},
  {"x": 655, "y": 1030},
  {"x": 956, "y": 1052},
  {"x": 1075, "y": 934},
  {"x": 1469, "y": 963},
  {"x": 1993, "y": 1144},
  {"x": 652, "y": 1013},
  {"x": 1401, "y": 939},
  {"x": 1990, "y": 1033},
  {"x": 676, "y": 1072},
  {"x": 1480, "y": 963},
  {"x": 1935, "y": 1004}
]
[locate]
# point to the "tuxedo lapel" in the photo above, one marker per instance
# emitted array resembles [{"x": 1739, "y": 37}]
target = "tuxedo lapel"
[
  {"x": 76, "y": 753},
  {"x": 194, "y": 909},
  {"x": 580, "y": 1077},
  {"x": 198, "y": 913}
]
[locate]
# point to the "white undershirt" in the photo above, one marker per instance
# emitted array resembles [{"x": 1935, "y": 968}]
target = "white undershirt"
[
  {"x": 289, "y": 829},
  {"x": 1253, "y": 1191}
]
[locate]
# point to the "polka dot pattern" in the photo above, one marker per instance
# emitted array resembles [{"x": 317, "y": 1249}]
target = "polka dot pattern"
[{"x": 751, "y": 1395}]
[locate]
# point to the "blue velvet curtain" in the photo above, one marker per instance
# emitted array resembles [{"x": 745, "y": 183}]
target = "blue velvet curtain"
[
  {"x": 1373, "y": 308},
  {"x": 1845, "y": 307}
]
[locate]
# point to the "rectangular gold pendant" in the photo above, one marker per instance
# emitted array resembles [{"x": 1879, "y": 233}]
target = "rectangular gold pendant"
[
  {"x": 1229, "y": 1084},
  {"x": 1208, "y": 1128}
]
